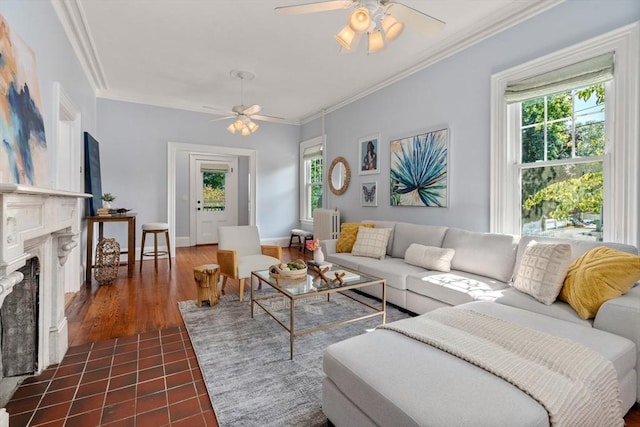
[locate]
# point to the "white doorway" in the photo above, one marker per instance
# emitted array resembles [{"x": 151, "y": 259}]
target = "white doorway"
[
  {"x": 214, "y": 195},
  {"x": 176, "y": 149}
]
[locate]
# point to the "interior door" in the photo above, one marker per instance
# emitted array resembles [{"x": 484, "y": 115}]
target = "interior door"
[{"x": 216, "y": 199}]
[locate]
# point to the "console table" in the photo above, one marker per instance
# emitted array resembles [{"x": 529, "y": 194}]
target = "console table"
[{"x": 131, "y": 239}]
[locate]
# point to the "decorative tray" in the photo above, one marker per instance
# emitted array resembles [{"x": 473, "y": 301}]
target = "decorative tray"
[{"x": 292, "y": 270}]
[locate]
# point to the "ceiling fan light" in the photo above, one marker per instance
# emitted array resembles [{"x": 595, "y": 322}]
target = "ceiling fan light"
[
  {"x": 376, "y": 42},
  {"x": 252, "y": 126},
  {"x": 392, "y": 28},
  {"x": 245, "y": 131},
  {"x": 232, "y": 128},
  {"x": 345, "y": 37},
  {"x": 359, "y": 20},
  {"x": 238, "y": 125}
]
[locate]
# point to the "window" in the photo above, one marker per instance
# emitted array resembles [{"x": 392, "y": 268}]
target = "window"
[
  {"x": 311, "y": 177},
  {"x": 213, "y": 191},
  {"x": 565, "y": 145},
  {"x": 561, "y": 139}
]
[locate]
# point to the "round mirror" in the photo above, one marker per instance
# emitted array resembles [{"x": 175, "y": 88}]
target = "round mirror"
[{"x": 339, "y": 175}]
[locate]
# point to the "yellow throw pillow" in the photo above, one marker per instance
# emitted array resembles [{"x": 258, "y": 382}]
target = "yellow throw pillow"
[
  {"x": 597, "y": 276},
  {"x": 348, "y": 235}
]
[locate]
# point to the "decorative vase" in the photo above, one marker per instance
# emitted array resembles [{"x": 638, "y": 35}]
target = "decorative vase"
[
  {"x": 106, "y": 205},
  {"x": 318, "y": 256}
]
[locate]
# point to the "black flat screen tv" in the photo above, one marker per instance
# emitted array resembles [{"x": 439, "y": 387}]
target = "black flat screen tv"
[{"x": 92, "y": 180}]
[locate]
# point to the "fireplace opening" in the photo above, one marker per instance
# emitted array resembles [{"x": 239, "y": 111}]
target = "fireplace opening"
[{"x": 19, "y": 324}]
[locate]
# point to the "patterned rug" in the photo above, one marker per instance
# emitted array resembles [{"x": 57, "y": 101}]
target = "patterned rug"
[{"x": 245, "y": 362}]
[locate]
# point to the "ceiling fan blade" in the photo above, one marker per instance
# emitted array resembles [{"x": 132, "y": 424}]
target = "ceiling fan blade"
[
  {"x": 300, "y": 9},
  {"x": 252, "y": 109},
  {"x": 415, "y": 19},
  {"x": 217, "y": 119},
  {"x": 272, "y": 119}
]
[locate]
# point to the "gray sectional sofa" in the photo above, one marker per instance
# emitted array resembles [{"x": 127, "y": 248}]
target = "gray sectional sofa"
[{"x": 383, "y": 378}]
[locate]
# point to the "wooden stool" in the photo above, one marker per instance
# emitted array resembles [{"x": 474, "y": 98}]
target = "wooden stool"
[
  {"x": 155, "y": 228},
  {"x": 206, "y": 277},
  {"x": 299, "y": 234}
]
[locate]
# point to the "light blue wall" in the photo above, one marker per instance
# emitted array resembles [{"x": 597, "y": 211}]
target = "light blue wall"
[
  {"x": 455, "y": 93},
  {"x": 133, "y": 154},
  {"x": 37, "y": 24}
]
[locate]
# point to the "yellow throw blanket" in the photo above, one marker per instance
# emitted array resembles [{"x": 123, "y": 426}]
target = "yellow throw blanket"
[{"x": 576, "y": 385}]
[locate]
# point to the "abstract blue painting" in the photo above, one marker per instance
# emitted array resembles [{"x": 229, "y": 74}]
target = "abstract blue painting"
[
  {"x": 23, "y": 152},
  {"x": 419, "y": 170}
]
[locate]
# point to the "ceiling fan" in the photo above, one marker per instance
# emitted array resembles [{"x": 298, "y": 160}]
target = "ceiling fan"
[
  {"x": 244, "y": 115},
  {"x": 380, "y": 19}
]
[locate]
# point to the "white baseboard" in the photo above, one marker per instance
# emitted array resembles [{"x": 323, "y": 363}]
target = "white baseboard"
[{"x": 183, "y": 241}]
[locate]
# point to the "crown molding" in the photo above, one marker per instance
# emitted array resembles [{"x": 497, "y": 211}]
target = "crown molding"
[
  {"x": 484, "y": 29},
  {"x": 73, "y": 20}
]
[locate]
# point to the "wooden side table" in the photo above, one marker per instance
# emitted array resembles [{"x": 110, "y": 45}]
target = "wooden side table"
[
  {"x": 131, "y": 240},
  {"x": 206, "y": 277}
]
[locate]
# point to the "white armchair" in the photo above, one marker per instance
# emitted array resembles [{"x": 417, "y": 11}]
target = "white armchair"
[{"x": 240, "y": 253}]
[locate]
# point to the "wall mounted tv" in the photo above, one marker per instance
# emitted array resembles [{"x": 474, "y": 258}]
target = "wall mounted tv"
[{"x": 92, "y": 180}]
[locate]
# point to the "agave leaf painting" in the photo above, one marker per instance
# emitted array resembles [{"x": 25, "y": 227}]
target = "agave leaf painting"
[
  {"x": 419, "y": 170},
  {"x": 23, "y": 148}
]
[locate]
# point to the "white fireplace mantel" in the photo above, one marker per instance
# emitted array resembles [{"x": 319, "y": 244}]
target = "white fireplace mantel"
[{"x": 42, "y": 223}]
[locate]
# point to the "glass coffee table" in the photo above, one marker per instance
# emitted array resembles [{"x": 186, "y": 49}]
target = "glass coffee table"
[{"x": 311, "y": 285}]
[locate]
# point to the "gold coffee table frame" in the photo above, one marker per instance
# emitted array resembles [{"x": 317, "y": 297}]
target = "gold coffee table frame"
[{"x": 295, "y": 289}]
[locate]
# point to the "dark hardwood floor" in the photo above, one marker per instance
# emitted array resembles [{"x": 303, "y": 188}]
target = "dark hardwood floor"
[{"x": 147, "y": 302}]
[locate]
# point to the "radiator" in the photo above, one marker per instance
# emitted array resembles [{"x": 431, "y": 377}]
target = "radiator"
[{"x": 326, "y": 224}]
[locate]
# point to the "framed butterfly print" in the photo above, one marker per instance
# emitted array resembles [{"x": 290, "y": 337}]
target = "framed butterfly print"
[{"x": 369, "y": 194}]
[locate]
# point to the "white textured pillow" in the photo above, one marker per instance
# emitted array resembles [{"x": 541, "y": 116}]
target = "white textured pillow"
[
  {"x": 371, "y": 242},
  {"x": 542, "y": 270},
  {"x": 429, "y": 257}
]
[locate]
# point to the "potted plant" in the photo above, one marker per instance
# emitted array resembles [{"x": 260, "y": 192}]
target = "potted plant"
[{"x": 107, "y": 198}]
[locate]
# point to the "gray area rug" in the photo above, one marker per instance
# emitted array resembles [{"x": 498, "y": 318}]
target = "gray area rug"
[{"x": 245, "y": 362}]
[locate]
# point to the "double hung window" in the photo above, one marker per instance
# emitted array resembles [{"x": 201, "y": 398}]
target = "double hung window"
[
  {"x": 564, "y": 143},
  {"x": 311, "y": 177}
]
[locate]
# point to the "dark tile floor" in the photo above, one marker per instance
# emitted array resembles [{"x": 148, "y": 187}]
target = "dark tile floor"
[{"x": 151, "y": 379}]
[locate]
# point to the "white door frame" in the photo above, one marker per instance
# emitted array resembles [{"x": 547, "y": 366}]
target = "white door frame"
[
  {"x": 67, "y": 118},
  {"x": 172, "y": 151},
  {"x": 194, "y": 176}
]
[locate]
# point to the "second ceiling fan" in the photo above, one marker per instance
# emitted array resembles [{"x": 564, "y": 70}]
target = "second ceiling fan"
[
  {"x": 380, "y": 20},
  {"x": 245, "y": 115}
]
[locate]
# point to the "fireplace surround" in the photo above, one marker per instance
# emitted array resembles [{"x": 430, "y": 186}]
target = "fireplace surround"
[{"x": 43, "y": 224}]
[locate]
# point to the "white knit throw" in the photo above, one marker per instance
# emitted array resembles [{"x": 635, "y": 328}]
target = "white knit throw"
[{"x": 576, "y": 385}]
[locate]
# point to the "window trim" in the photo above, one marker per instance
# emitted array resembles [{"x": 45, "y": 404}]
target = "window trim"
[
  {"x": 320, "y": 140},
  {"x": 620, "y": 213}
]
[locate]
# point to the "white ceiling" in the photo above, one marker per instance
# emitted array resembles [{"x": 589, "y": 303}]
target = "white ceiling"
[{"x": 179, "y": 53}]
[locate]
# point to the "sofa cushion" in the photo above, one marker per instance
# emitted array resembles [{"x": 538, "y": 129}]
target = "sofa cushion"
[
  {"x": 597, "y": 276},
  {"x": 371, "y": 242},
  {"x": 405, "y": 234},
  {"x": 558, "y": 310},
  {"x": 398, "y": 381},
  {"x": 454, "y": 288},
  {"x": 348, "y": 235},
  {"x": 344, "y": 259},
  {"x": 485, "y": 254},
  {"x": 542, "y": 270},
  {"x": 393, "y": 270},
  {"x": 429, "y": 257},
  {"x": 384, "y": 224}
]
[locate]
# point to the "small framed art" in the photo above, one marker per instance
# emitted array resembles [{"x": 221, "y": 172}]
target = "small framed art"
[
  {"x": 369, "y": 159},
  {"x": 369, "y": 193}
]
